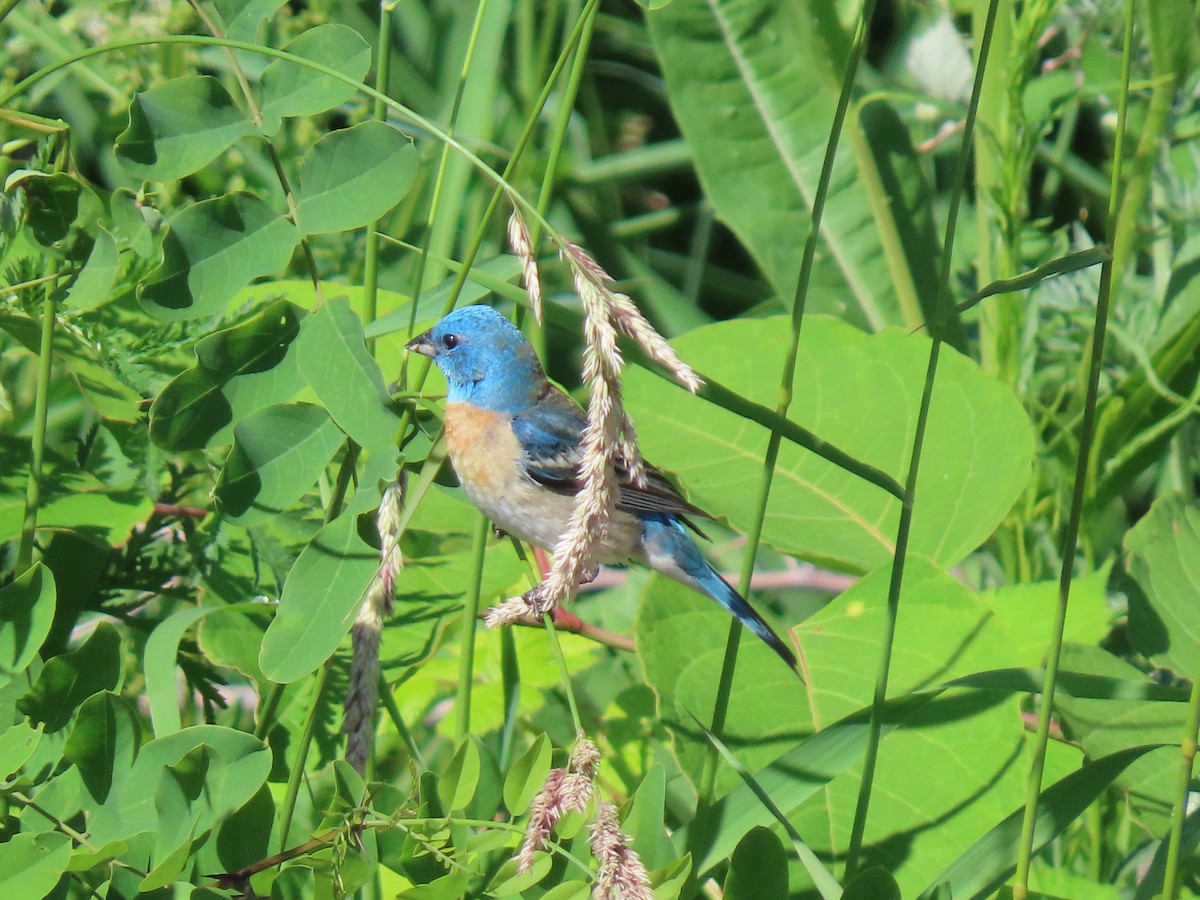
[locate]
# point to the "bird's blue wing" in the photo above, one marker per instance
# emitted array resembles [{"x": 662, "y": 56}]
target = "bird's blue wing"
[{"x": 549, "y": 434}]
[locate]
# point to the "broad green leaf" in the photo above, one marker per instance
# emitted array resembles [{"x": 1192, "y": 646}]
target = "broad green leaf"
[
  {"x": 862, "y": 393},
  {"x": 298, "y": 882},
  {"x": 244, "y": 837},
  {"x": 93, "y": 285},
  {"x": 238, "y": 371},
  {"x": 989, "y": 861},
  {"x": 127, "y": 224},
  {"x": 320, "y": 600},
  {"x": 352, "y": 177},
  {"x": 458, "y": 783},
  {"x": 902, "y": 207},
  {"x": 104, "y": 742},
  {"x": 243, "y": 18},
  {"x": 527, "y": 775},
  {"x": 26, "y": 612},
  {"x": 18, "y": 743},
  {"x": 1106, "y": 726},
  {"x": 180, "y": 800},
  {"x": 179, "y": 126},
  {"x": 66, "y": 681},
  {"x": 53, "y": 202},
  {"x": 292, "y": 89},
  {"x": 758, "y": 868},
  {"x": 643, "y": 822},
  {"x": 244, "y": 762},
  {"x": 334, "y": 359},
  {"x": 211, "y": 251},
  {"x": 955, "y": 761},
  {"x": 1164, "y": 617},
  {"x": 160, "y": 664},
  {"x": 31, "y": 864},
  {"x": 873, "y": 884},
  {"x": 278, "y": 454},
  {"x": 754, "y": 85}
]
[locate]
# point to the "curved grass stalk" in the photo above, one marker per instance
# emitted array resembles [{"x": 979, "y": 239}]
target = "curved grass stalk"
[
  {"x": 383, "y": 68},
  {"x": 862, "y": 806},
  {"x": 786, "y": 383},
  {"x": 466, "y": 660},
  {"x": 1087, "y": 433}
]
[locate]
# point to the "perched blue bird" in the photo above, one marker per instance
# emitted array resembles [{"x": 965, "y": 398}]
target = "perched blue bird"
[{"x": 514, "y": 441}]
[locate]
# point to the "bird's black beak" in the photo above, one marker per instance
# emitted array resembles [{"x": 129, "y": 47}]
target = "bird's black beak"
[{"x": 422, "y": 344}]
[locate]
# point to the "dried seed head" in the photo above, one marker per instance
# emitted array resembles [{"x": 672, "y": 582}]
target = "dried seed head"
[
  {"x": 622, "y": 874},
  {"x": 362, "y": 693},
  {"x": 521, "y": 242},
  {"x": 564, "y": 790}
]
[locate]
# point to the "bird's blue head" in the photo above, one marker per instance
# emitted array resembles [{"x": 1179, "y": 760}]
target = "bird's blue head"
[{"x": 485, "y": 358}]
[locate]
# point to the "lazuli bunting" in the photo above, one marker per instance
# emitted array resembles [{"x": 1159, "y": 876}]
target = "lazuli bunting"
[{"x": 514, "y": 441}]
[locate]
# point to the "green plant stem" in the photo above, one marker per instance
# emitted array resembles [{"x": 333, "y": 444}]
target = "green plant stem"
[
  {"x": 393, "y": 711},
  {"x": 41, "y": 412},
  {"x": 297, "y": 772},
  {"x": 466, "y": 660},
  {"x": 1187, "y": 759},
  {"x": 786, "y": 393},
  {"x": 1087, "y": 432},
  {"x": 266, "y": 715},
  {"x": 565, "y": 107},
  {"x": 563, "y": 671},
  {"x": 904, "y": 527},
  {"x": 383, "y": 67}
]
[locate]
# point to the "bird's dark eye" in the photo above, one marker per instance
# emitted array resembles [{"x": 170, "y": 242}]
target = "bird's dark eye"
[{"x": 450, "y": 341}]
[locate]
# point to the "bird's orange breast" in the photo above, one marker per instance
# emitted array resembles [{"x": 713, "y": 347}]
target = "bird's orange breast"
[{"x": 482, "y": 447}]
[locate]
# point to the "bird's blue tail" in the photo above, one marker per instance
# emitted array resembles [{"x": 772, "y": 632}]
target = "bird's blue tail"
[{"x": 670, "y": 549}]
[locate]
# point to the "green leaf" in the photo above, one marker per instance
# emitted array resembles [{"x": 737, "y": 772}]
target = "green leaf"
[
  {"x": 291, "y": 89},
  {"x": 180, "y": 800},
  {"x": 160, "y": 663},
  {"x": 758, "y": 868},
  {"x": 527, "y": 775},
  {"x": 26, "y": 612},
  {"x": 53, "y": 203},
  {"x": 860, "y": 392},
  {"x": 643, "y": 822},
  {"x": 812, "y": 736},
  {"x": 278, "y": 454},
  {"x": 243, "y": 760},
  {"x": 18, "y": 743},
  {"x": 237, "y": 372},
  {"x": 1106, "y": 726},
  {"x": 244, "y": 18},
  {"x": 66, "y": 681},
  {"x": 31, "y": 864},
  {"x": 334, "y": 359},
  {"x": 754, "y": 85},
  {"x": 458, "y": 783},
  {"x": 104, "y": 742},
  {"x": 211, "y": 251},
  {"x": 352, "y": 177},
  {"x": 298, "y": 882},
  {"x": 320, "y": 600},
  {"x": 873, "y": 884},
  {"x": 1164, "y": 619},
  {"x": 178, "y": 127},
  {"x": 93, "y": 285},
  {"x": 989, "y": 861},
  {"x": 902, "y": 207}
]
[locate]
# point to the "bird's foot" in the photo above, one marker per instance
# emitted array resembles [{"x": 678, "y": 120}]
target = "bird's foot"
[
  {"x": 589, "y": 574},
  {"x": 499, "y": 532}
]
